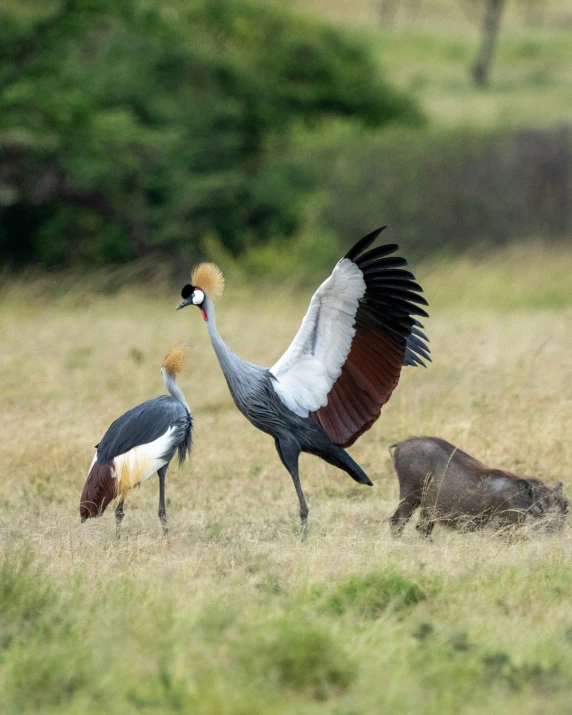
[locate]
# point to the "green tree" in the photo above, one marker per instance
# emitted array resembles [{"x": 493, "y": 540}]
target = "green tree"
[{"x": 132, "y": 127}]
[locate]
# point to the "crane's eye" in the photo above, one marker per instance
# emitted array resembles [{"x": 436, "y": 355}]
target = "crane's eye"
[
  {"x": 186, "y": 292},
  {"x": 198, "y": 297}
]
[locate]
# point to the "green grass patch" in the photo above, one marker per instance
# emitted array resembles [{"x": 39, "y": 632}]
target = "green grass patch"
[
  {"x": 371, "y": 595},
  {"x": 300, "y": 655}
]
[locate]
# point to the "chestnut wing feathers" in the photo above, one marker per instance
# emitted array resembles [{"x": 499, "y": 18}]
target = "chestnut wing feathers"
[{"x": 359, "y": 339}]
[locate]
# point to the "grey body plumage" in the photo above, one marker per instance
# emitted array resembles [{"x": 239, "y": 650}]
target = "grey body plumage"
[
  {"x": 252, "y": 390},
  {"x": 386, "y": 337},
  {"x": 146, "y": 423}
]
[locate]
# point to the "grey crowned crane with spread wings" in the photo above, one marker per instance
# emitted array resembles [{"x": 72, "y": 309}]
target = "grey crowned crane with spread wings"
[
  {"x": 139, "y": 443},
  {"x": 341, "y": 368}
]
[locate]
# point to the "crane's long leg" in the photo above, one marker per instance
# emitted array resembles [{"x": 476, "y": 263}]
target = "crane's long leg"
[
  {"x": 289, "y": 452},
  {"x": 162, "y": 509},
  {"x": 119, "y": 514}
]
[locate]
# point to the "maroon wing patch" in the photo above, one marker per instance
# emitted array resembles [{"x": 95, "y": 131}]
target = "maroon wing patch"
[
  {"x": 369, "y": 376},
  {"x": 387, "y": 337}
]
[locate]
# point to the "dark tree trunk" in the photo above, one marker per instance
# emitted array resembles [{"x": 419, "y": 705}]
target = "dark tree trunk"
[{"x": 491, "y": 25}]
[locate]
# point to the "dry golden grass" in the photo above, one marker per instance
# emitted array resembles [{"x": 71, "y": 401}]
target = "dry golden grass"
[{"x": 216, "y": 618}]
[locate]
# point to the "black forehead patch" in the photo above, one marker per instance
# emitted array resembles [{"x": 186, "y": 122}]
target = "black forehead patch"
[{"x": 186, "y": 292}]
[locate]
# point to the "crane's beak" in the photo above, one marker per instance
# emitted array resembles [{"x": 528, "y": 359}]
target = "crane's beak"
[{"x": 184, "y": 303}]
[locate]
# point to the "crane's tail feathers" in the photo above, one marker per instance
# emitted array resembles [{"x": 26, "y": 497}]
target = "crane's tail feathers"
[
  {"x": 356, "y": 472},
  {"x": 185, "y": 447},
  {"x": 341, "y": 459},
  {"x": 98, "y": 491}
]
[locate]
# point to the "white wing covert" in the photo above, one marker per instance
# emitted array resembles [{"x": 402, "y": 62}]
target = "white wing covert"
[{"x": 306, "y": 372}]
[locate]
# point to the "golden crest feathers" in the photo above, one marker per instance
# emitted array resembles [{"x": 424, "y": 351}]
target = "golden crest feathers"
[
  {"x": 209, "y": 278},
  {"x": 175, "y": 360}
]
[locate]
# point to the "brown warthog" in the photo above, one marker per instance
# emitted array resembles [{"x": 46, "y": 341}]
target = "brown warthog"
[{"x": 453, "y": 488}]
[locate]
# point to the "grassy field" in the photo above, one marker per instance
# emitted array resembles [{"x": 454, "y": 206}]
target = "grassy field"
[
  {"x": 429, "y": 47},
  {"x": 457, "y": 15},
  {"x": 230, "y": 613}
]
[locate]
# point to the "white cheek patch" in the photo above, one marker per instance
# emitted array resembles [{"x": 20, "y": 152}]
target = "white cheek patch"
[{"x": 198, "y": 297}]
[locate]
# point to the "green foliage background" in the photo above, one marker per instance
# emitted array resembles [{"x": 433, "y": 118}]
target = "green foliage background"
[
  {"x": 268, "y": 138},
  {"x": 135, "y": 127}
]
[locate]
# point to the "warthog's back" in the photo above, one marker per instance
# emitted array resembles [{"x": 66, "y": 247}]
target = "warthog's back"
[{"x": 453, "y": 487}]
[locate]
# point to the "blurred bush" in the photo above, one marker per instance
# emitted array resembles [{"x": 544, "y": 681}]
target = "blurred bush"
[
  {"x": 443, "y": 189},
  {"x": 135, "y": 128}
]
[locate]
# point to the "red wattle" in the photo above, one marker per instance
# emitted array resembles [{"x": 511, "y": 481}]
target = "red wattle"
[{"x": 204, "y": 312}]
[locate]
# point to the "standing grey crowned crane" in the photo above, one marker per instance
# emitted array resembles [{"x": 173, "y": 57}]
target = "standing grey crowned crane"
[
  {"x": 138, "y": 444},
  {"x": 341, "y": 368}
]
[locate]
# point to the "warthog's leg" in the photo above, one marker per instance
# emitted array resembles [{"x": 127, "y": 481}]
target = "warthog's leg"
[
  {"x": 426, "y": 521},
  {"x": 404, "y": 511}
]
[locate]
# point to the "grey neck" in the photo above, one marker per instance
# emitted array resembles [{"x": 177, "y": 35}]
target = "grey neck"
[
  {"x": 229, "y": 361},
  {"x": 245, "y": 381},
  {"x": 174, "y": 389},
  {"x": 223, "y": 352}
]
